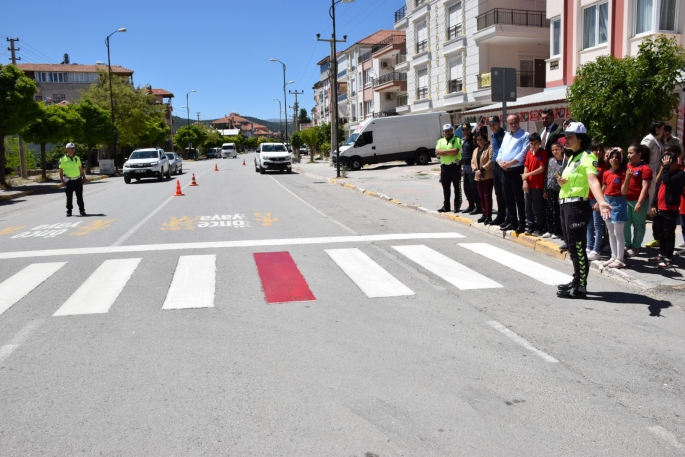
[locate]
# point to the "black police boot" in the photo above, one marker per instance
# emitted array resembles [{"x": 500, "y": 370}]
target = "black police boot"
[
  {"x": 567, "y": 286},
  {"x": 68, "y": 213},
  {"x": 575, "y": 292},
  {"x": 476, "y": 210},
  {"x": 488, "y": 221},
  {"x": 82, "y": 212},
  {"x": 521, "y": 228},
  {"x": 469, "y": 208},
  {"x": 444, "y": 210},
  {"x": 482, "y": 219},
  {"x": 507, "y": 226},
  {"x": 498, "y": 221}
]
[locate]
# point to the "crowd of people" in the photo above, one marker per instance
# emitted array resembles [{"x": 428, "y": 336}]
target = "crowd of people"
[{"x": 555, "y": 181}]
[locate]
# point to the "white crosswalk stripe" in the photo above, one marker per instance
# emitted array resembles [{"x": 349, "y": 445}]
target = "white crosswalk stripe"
[
  {"x": 450, "y": 270},
  {"x": 97, "y": 294},
  {"x": 525, "y": 266},
  {"x": 193, "y": 284},
  {"x": 21, "y": 284},
  {"x": 371, "y": 278}
]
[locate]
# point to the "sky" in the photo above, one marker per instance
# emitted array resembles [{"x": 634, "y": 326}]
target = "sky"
[{"x": 220, "y": 48}]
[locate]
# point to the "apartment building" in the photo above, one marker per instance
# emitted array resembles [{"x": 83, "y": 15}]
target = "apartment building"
[
  {"x": 60, "y": 82},
  {"x": 451, "y": 45},
  {"x": 583, "y": 30}
]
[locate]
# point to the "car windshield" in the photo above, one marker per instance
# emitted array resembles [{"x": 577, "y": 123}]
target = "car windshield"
[
  {"x": 273, "y": 148},
  {"x": 144, "y": 155},
  {"x": 170, "y": 156},
  {"x": 351, "y": 139}
]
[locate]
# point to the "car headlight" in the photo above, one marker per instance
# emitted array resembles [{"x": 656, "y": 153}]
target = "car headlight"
[
  {"x": 152, "y": 164},
  {"x": 126, "y": 165}
]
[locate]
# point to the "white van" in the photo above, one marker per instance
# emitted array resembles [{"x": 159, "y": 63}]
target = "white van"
[
  {"x": 411, "y": 138},
  {"x": 228, "y": 150}
]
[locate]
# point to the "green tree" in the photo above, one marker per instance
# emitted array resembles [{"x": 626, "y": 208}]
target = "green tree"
[
  {"x": 190, "y": 134},
  {"x": 296, "y": 142},
  {"x": 214, "y": 138},
  {"x": 55, "y": 123},
  {"x": 12, "y": 154},
  {"x": 310, "y": 137},
  {"x": 303, "y": 118},
  {"x": 252, "y": 142},
  {"x": 156, "y": 132},
  {"x": 617, "y": 99},
  {"x": 17, "y": 107},
  {"x": 97, "y": 129}
]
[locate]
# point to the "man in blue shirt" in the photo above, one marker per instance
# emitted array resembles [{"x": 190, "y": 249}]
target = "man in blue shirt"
[
  {"x": 511, "y": 157},
  {"x": 498, "y": 174}
]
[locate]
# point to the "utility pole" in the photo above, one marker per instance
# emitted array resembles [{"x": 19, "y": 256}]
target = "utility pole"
[
  {"x": 296, "y": 119},
  {"x": 198, "y": 117},
  {"x": 22, "y": 150}
]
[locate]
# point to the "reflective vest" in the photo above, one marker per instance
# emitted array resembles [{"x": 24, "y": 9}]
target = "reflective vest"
[
  {"x": 576, "y": 171},
  {"x": 453, "y": 143},
  {"x": 71, "y": 166}
]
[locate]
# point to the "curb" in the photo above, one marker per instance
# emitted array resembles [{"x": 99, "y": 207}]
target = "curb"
[
  {"x": 55, "y": 186},
  {"x": 532, "y": 242}
]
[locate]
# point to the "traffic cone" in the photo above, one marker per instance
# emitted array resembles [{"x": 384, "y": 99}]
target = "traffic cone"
[
  {"x": 243, "y": 162},
  {"x": 193, "y": 182},
  {"x": 216, "y": 167},
  {"x": 178, "y": 189}
]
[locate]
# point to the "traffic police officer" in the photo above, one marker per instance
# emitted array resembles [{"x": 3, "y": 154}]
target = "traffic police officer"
[
  {"x": 449, "y": 151},
  {"x": 577, "y": 178},
  {"x": 73, "y": 178}
]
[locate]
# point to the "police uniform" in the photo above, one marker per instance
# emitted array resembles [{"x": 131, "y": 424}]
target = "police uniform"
[
  {"x": 576, "y": 211},
  {"x": 450, "y": 172},
  {"x": 71, "y": 172}
]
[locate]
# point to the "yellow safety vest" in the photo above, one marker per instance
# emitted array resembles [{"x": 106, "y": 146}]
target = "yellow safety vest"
[{"x": 453, "y": 143}]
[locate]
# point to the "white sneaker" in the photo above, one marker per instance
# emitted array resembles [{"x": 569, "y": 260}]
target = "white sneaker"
[
  {"x": 594, "y": 255},
  {"x": 616, "y": 264},
  {"x": 608, "y": 262},
  {"x": 681, "y": 245},
  {"x": 546, "y": 235},
  {"x": 554, "y": 237},
  {"x": 630, "y": 252}
]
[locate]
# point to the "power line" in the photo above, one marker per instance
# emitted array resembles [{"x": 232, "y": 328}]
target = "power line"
[{"x": 367, "y": 16}]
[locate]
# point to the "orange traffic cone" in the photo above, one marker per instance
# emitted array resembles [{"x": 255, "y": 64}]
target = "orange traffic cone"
[
  {"x": 216, "y": 167},
  {"x": 178, "y": 189},
  {"x": 243, "y": 162},
  {"x": 193, "y": 182}
]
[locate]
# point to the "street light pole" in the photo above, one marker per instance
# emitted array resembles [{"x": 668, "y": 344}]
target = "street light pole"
[
  {"x": 280, "y": 119},
  {"x": 188, "y": 107},
  {"x": 285, "y": 100},
  {"x": 334, "y": 84},
  {"x": 111, "y": 93}
]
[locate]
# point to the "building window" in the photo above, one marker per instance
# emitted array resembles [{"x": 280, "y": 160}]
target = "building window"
[
  {"x": 422, "y": 84},
  {"x": 368, "y": 108},
  {"x": 556, "y": 36},
  {"x": 39, "y": 98},
  {"x": 653, "y": 15},
  {"x": 353, "y": 87},
  {"x": 454, "y": 21},
  {"x": 421, "y": 37},
  {"x": 595, "y": 23},
  {"x": 455, "y": 83},
  {"x": 56, "y": 98},
  {"x": 354, "y": 113},
  {"x": 54, "y": 77},
  {"x": 368, "y": 79}
]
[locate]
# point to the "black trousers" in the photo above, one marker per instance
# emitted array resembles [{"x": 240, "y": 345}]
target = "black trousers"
[
  {"x": 75, "y": 185},
  {"x": 553, "y": 212},
  {"x": 498, "y": 181},
  {"x": 666, "y": 222},
  {"x": 535, "y": 209},
  {"x": 450, "y": 176},
  {"x": 574, "y": 220},
  {"x": 470, "y": 187},
  {"x": 516, "y": 201}
]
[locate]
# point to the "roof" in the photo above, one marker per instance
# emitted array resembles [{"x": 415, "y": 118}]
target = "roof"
[
  {"x": 72, "y": 68},
  {"x": 236, "y": 119},
  {"x": 162, "y": 92},
  {"x": 541, "y": 98},
  {"x": 374, "y": 38}
]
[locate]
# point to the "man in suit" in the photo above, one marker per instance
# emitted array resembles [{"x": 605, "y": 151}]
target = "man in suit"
[{"x": 550, "y": 131}]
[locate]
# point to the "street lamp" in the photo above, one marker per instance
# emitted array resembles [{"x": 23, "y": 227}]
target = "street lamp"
[
  {"x": 280, "y": 119},
  {"x": 334, "y": 85},
  {"x": 111, "y": 94},
  {"x": 188, "y": 107},
  {"x": 285, "y": 100}
]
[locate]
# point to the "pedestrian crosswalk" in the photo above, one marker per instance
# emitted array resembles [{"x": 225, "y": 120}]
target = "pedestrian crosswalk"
[{"x": 193, "y": 284}]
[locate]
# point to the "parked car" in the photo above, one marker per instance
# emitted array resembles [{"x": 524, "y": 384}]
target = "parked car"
[
  {"x": 213, "y": 153},
  {"x": 228, "y": 150},
  {"x": 175, "y": 162},
  {"x": 147, "y": 163},
  {"x": 304, "y": 151},
  {"x": 411, "y": 138},
  {"x": 272, "y": 156}
]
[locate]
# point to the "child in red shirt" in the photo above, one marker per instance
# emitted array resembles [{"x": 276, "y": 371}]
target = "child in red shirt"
[
  {"x": 533, "y": 177},
  {"x": 666, "y": 205},
  {"x": 615, "y": 183},
  {"x": 638, "y": 197}
]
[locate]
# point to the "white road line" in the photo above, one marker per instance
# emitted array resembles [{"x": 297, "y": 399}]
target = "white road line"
[
  {"x": 450, "y": 270},
  {"x": 522, "y": 342},
  {"x": 193, "y": 284},
  {"x": 21, "y": 284},
  {"x": 21, "y": 336},
  {"x": 371, "y": 278},
  {"x": 669, "y": 437},
  {"x": 135, "y": 228},
  {"x": 229, "y": 244},
  {"x": 97, "y": 294},
  {"x": 314, "y": 208},
  {"x": 529, "y": 268}
]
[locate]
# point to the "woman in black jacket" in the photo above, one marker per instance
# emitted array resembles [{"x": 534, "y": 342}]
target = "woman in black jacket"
[{"x": 665, "y": 206}]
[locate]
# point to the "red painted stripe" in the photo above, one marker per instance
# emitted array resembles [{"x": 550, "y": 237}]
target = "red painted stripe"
[{"x": 281, "y": 279}]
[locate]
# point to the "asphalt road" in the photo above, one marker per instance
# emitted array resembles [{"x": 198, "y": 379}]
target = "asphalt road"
[{"x": 277, "y": 315}]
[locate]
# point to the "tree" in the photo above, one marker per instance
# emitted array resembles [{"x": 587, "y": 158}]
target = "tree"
[
  {"x": 617, "y": 99},
  {"x": 55, "y": 123},
  {"x": 296, "y": 140},
  {"x": 17, "y": 108},
  {"x": 251, "y": 142},
  {"x": 156, "y": 132},
  {"x": 311, "y": 138},
  {"x": 214, "y": 138},
  {"x": 97, "y": 129},
  {"x": 190, "y": 134},
  {"x": 12, "y": 154},
  {"x": 303, "y": 118}
]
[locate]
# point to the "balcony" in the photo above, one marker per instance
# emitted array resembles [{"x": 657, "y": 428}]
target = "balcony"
[
  {"x": 456, "y": 85},
  {"x": 342, "y": 97},
  {"x": 421, "y": 93},
  {"x": 418, "y": 3},
  {"x": 402, "y": 100},
  {"x": 454, "y": 32},
  {"x": 400, "y": 13},
  {"x": 389, "y": 78},
  {"x": 364, "y": 57},
  {"x": 421, "y": 46},
  {"x": 515, "y": 27},
  {"x": 400, "y": 58},
  {"x": 395, "y": 41},
  {"x": 324, "y": 68},
  {"x": 342, "y": 73}
]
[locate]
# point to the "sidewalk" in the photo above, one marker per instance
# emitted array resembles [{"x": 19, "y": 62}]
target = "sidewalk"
[
  {"x": 417, "y": 188},
  {"x": 33, "y": 187}
]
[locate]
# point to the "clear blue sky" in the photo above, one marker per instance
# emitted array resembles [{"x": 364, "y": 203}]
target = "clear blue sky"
[{"x": 220, "y": 48}]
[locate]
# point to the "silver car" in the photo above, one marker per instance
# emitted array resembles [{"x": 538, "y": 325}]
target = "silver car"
[{"x": 175, "y": 162}]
